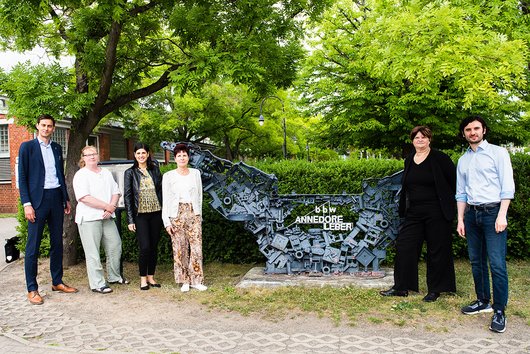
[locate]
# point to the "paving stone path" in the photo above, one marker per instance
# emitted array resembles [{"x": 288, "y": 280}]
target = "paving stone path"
[
  {"x": 131, "y": 321},
  {"x": 47, "y": 328}
]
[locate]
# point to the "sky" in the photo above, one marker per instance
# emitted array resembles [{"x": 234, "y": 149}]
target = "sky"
[{"x": 8, "y": 59}]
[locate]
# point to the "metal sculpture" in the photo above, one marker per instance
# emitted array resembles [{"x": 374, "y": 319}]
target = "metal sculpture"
[{"x": 289, "y": 240}]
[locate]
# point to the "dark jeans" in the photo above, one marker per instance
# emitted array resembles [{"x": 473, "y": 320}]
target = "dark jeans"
[
  {"x": 425, "y": 222},
  {"x": 148, "y": 227},
  {"x": 483, "y": 245},
  {"x": 51, "y": 211}
]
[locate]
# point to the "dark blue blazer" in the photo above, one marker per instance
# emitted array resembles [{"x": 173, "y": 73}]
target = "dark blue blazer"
[{"x": 31, "y": 172}]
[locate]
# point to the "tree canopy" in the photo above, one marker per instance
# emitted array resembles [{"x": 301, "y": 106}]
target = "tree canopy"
[
  {"x": 220, "y": 113},
  {"x": 225, "y": 115},
  {"x": 198, "y": 69},
  {"x": 126, "y": 50},
  {"x": 380, "y": 67}
]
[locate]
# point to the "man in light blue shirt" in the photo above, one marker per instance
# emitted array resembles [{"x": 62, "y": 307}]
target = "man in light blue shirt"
[
  {"x": 484, "y": 189},
  {"x": 50, "y": 173}
]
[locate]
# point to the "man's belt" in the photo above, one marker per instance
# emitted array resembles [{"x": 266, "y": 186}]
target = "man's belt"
[{"x": 486, "y": 206}]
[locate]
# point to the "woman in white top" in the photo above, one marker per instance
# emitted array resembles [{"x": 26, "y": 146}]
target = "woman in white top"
[
  {"x": 97, "y": 195},
  {"x": 182, "y": 214}
]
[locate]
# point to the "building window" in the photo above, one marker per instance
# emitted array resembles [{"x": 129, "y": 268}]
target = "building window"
[
  {"x": 60, "y": 137},
  {"x": 93, "y": 141},
  {"x": 118, "y": 146},
  {"x": 160, "y": 156},
  {"x": 5, "y": 168},
  {"x": 3, "y": 105},
  {"x": 4, "y": 141}
]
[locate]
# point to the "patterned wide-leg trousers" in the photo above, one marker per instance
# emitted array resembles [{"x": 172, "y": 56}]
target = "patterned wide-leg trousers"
[{"x": 187, "y": 246}]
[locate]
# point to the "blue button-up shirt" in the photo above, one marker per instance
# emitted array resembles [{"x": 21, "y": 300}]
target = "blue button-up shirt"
[
  {"x": 50, "y": 177},
  {"x": 484, "y": 176}
]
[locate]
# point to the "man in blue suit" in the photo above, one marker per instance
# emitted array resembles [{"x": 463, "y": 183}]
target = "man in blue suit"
[{"x": 45, "y": 199}]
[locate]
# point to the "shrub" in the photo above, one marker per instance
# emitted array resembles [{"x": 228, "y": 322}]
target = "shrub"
[
  {"x": 22, "y": 233},
  {"x": 518, "y": 221},
  {"x": 227, "y": 241}
]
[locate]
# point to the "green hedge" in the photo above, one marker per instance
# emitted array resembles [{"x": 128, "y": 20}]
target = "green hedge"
[
  {"x": 227, "y": 241},
  {"x": 22, "y": 233},
  {"x": 519, "y": 211},
  {"x": 328, "y": 177},
  {"x": 223, "y": 241}
]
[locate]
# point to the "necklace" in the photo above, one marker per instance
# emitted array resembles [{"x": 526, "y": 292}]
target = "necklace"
[{"x": 420, "y": 156}]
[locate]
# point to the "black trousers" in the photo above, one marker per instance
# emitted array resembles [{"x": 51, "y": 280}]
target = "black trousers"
[
  {"x": 148, "y": 227},
  {"x": 425, "y": 222}
]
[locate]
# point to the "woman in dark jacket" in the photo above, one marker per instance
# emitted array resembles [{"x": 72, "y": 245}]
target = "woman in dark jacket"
[
  {"x": 143, "y": 202},
  {"x": 427, "y": 202}
]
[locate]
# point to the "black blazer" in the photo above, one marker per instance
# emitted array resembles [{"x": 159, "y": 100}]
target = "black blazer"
[
  {"x": 444, "y": 172},
  {"x": 31, "y": 172},
  {"x": 131, "y": 189}
]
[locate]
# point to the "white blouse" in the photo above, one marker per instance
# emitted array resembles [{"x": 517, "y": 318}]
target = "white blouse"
[
  {"x": 100, "y": 185},
  {"x": 180, "y": 189}
]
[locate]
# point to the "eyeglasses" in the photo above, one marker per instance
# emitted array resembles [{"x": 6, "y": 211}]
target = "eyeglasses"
[{"x": 91, "y": 155}]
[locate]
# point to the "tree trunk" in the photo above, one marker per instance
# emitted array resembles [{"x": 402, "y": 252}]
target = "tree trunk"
[
  {"x": 76, "y": 141},
  {"x": 228, "y": 150}
]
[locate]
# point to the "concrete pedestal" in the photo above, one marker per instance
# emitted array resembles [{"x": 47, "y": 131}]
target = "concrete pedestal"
[{"x": 256, "y": 277}]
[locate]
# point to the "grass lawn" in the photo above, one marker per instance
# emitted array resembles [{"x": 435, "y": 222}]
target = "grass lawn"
[{"x": 347, "y": 305}]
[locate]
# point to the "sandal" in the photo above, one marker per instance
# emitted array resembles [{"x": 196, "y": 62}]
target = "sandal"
[
  {"x": 122, "y": 281},
  {"x": 103, "y": 290}
]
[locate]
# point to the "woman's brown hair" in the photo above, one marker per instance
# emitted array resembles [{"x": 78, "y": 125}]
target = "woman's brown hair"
[{"x": 425, "y": 131}]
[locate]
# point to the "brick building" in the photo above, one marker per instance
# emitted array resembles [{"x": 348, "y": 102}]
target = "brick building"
[{"x": 109, "y": 140}]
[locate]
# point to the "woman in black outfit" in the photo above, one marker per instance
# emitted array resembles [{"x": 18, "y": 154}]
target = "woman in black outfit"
[
  {"x": 427, "y": 203},
  {"x": 143, "y": 202}
]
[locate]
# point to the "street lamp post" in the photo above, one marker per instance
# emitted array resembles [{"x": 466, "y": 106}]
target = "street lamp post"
[{"x": 262, "y": 120}]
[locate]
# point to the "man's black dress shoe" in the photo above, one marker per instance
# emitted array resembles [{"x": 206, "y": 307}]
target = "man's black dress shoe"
[
  {"x": 431, "y": 297},
  {"x": 394, "y": 292}
]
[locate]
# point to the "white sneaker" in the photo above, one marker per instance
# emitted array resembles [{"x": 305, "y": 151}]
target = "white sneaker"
[
  {"x": 185, "y": 288},
  {"x": 199, "y": 287}
]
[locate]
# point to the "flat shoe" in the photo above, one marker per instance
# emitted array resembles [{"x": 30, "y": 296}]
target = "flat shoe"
[
  {"x": 144, "y": 287},
  {"x": 394, "y": 292},
  {"x": 122, "y": 281},
  {"x": 199, "y": 287},
  {"x": 431, "y": 297},
  {"x": 154, "y": 285},
  {"x": 185, "y": 288},
  {"x": 103, "y": 290}
]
